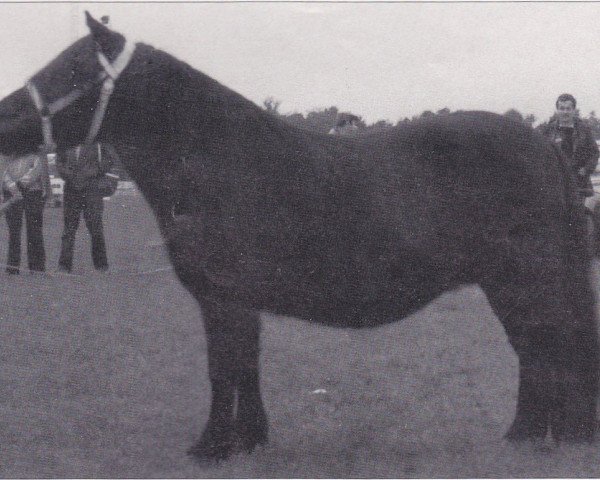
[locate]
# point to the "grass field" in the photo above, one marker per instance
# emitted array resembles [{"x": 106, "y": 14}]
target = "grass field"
[{"x": 104, "y": 375}]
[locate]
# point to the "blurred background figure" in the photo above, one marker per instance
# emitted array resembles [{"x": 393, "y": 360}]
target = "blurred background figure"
[
  {"x": 346, "y": 124},
  {"x": 88, "y": 174}
]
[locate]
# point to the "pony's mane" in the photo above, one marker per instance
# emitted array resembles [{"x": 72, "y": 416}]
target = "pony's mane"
[
  {"x": 182, "y": 85},
  {"x": 215, "y": 98},
  {"x": 198, "y": 84}
]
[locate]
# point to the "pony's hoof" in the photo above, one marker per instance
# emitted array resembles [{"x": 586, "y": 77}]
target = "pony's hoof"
[
  {"x": 249, "y": 444},
  {"x": 578, "y": 434},
  {"x": 248, "y": 438},
  {"x": 575, "y": 428},
  {"x": 522, "y": 433},
  {"x": 206, "y": 451}
]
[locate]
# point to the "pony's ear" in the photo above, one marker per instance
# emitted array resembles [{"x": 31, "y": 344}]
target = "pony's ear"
[{"x": 108, "y": 42}]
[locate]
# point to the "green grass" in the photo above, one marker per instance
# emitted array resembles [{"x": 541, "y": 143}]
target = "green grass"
[{"x": 106, "y": 376}]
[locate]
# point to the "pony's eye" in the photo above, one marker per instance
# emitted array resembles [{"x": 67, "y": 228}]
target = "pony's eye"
[{"x": 73, "y": 80}]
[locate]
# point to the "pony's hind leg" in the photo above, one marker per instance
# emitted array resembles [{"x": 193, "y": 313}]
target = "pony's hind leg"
[
  {"x": 575, "y": 418},
  {"x": 547, "y": 310},
  {"x": 232, "y": 336},
  {"x": 534, "y": 345}
]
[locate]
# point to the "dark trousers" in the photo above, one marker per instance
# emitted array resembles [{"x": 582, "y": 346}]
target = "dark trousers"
[
  {"x": 33, "y": 207},
  {"x": 88, "y": 201}
]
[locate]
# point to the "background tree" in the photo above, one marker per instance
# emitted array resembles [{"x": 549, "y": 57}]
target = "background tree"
[
  {"x": 319, "y": 120},
  {"x": 379, "y": 126},
  {"x": 594, "y": 124},
  {"x": 426, "y": 114},
  {"x": 323, "y": 119},
  {"x": 530, "y": 119},
  {"x": 514, "y": 114}
]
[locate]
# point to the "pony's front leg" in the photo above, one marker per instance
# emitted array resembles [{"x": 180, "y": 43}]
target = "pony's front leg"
[
  {"x": 233, "y": 361},
  {"x": 251, "y": 424},
  {"x": 217, "y": 439}
]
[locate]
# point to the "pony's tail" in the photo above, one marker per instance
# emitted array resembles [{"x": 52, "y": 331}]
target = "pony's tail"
[
  {"x": 577, "y": 250},
  {"x": 579, "y": 355},
  {"x": 578, "y": 253}
]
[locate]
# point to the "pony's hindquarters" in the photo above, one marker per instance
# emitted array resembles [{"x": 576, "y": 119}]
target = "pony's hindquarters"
[{"x": 538, "y": 284}]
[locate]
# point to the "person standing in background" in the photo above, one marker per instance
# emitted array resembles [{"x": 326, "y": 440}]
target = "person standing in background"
[
  {"x": 575, "y": 140},
  {"x": 345, "y": 124},
  {"x": 26, "y": 187},
  {"x": 84, "y": 168}
]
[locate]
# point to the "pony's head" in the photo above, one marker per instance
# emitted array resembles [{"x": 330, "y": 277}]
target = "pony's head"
[{"x": 63, "y": 96}]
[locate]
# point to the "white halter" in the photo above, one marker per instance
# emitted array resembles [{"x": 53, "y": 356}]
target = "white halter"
[{"x": 110, "y": 73}]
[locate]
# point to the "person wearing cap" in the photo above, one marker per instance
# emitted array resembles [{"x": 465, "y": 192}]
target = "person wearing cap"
[
  {"x": 574, "y": 138},
  {"x": 25, "y": 189},
  {"x": 85, "y": 168}
]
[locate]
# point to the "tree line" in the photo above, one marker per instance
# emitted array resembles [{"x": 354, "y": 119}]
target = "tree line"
[{"x": 321, "y": 120}]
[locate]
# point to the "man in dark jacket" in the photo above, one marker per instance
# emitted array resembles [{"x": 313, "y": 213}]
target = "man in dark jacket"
[
  {"x": 83, "y": 168},
  {"x": 575, "y": 139}
]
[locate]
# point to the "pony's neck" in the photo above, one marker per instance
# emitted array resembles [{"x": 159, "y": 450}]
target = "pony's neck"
[
  {"x": 164, "y": 105},
  {"x": 163, "y": 112}
]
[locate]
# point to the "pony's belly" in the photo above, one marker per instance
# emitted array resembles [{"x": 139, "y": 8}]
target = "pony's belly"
[
  {"x": 362, "y": 302},
  {"x": 338, "y": 298},
  {"x": 346, "y": 312},
  {"x": 347, "y": 285}
]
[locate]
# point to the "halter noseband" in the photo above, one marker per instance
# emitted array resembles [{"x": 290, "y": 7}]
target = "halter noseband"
[{"x": 108, "y": 77}]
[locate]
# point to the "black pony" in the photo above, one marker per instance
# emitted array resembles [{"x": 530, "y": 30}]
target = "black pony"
[{"x": 348, "y": 232}]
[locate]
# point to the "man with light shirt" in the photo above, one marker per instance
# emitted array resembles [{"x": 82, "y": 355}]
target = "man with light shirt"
[
  {"x": 25, "y": 188},
  {"x": 576, "y": 142}
]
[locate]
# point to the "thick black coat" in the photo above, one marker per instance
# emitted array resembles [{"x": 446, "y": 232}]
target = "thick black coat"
[{"x": 350, "y": 232}]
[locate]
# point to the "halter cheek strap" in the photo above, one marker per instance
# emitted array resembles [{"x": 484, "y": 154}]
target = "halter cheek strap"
[
  {"x": 44, "y": 114},
  {"x": 110, "y": 73}
]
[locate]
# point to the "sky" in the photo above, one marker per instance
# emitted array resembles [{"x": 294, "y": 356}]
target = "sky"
[{"x": 382, "y": 61}]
